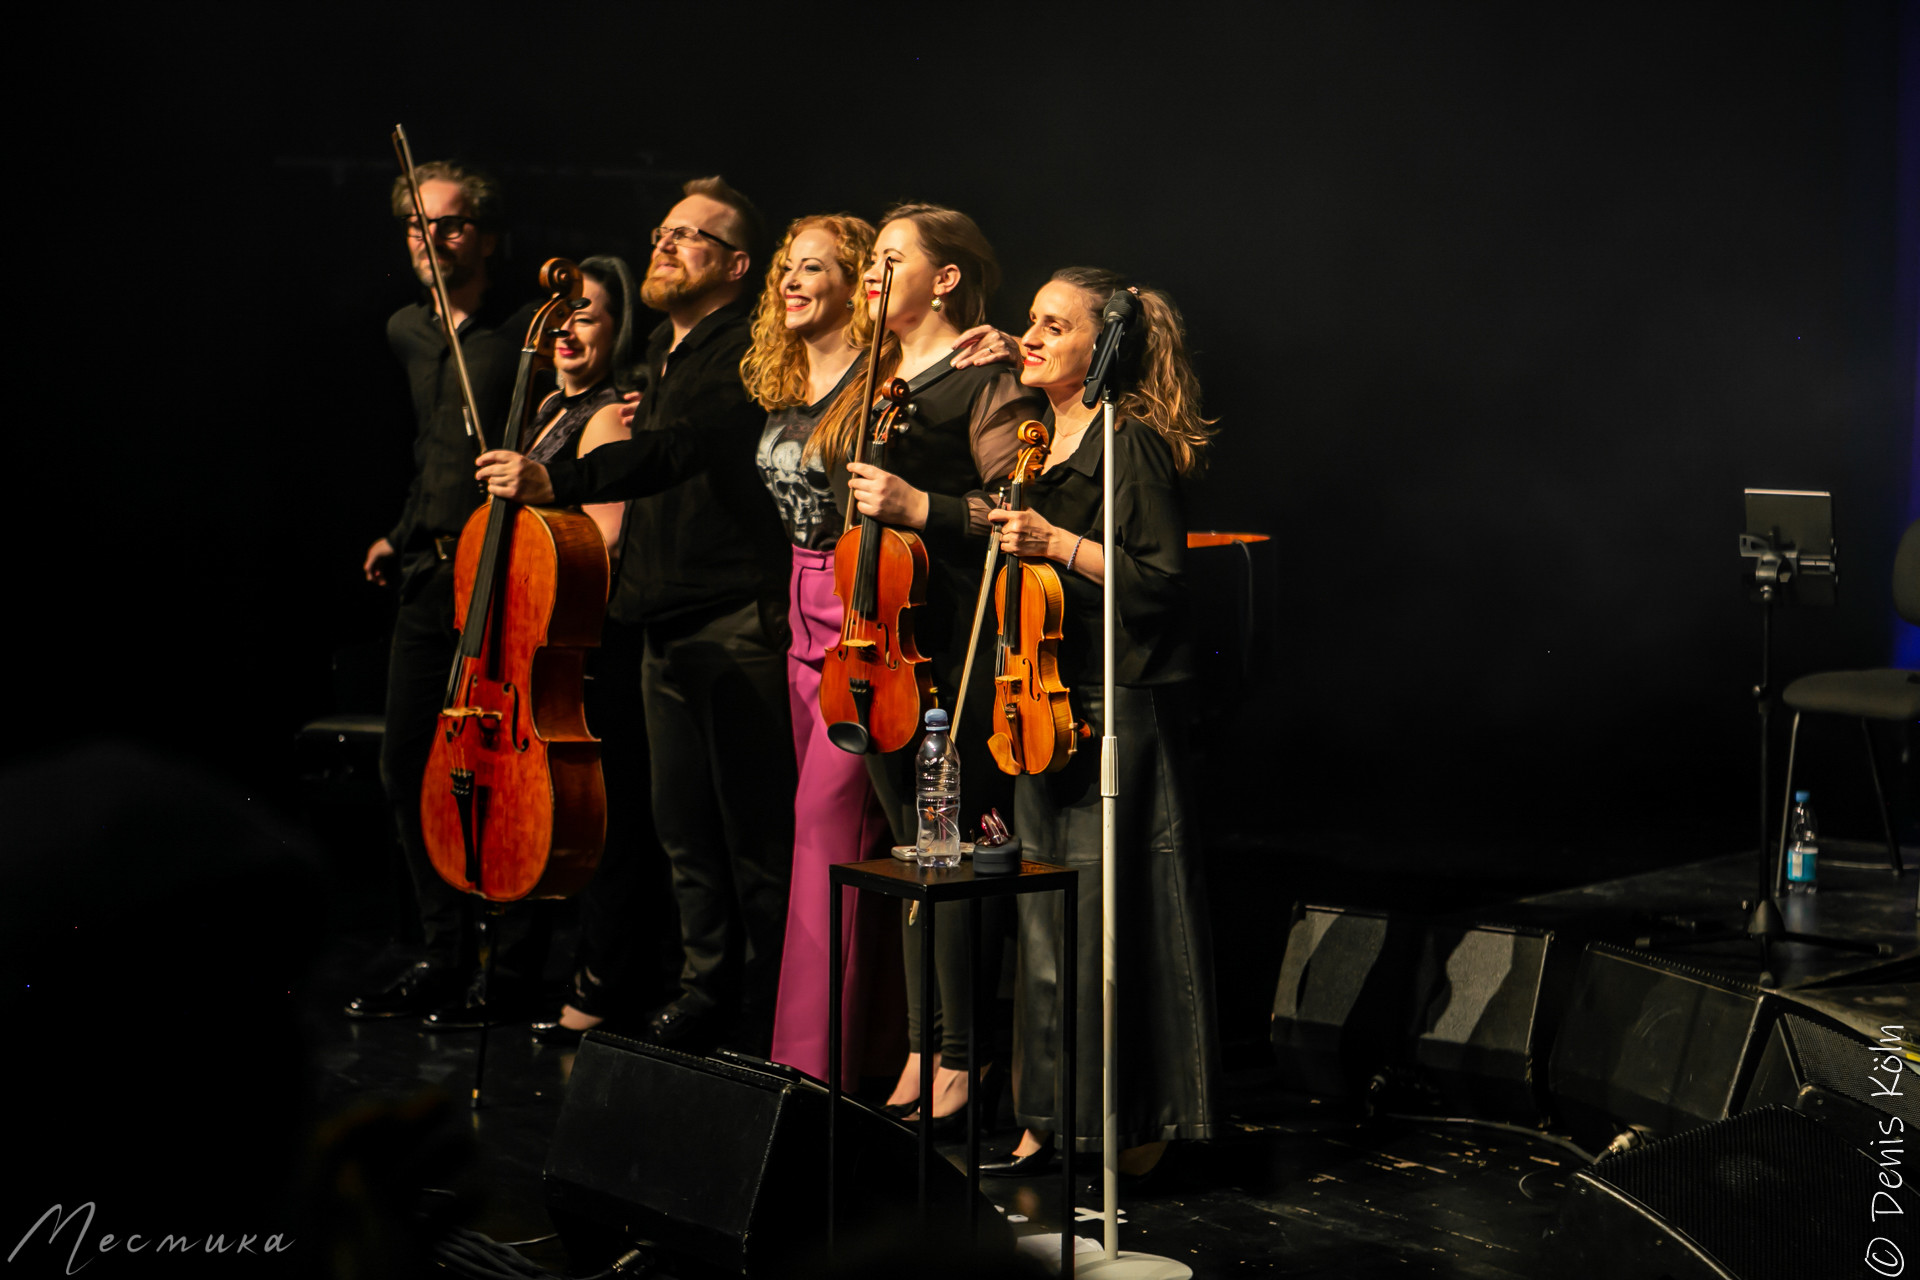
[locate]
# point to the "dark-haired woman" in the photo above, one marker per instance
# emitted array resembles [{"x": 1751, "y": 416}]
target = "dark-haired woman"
[
  {"x": 961, "y": 438},
  {"x": 590, "y": 360},
  {"x": 584, "y": 413},
  {"x": 1167, "y": 1029},
  {"x": 806, "y": 349}
]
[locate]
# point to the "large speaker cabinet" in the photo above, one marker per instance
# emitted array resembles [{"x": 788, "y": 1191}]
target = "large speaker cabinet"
[
  {"x": 722, "y": 1165},
  {"x": 1769, "y": 1195},
  {"x": 1650, "y": 1042}
]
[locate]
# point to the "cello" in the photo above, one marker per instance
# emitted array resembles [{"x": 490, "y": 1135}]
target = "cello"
[
  {"x": 513, "y": 804},
  {"x": 1033, "y": 726},
  {"x": 874, "y": 683}
]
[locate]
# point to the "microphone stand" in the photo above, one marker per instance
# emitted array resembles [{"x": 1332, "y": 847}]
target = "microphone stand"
[{"x": 1112, "y": 1262}]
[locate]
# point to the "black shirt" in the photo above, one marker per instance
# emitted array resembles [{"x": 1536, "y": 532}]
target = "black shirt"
[
  {"x": 443, "y": 493},
  {"x": 702, "y": 535},
  {"x": 1152, "y": 638}
]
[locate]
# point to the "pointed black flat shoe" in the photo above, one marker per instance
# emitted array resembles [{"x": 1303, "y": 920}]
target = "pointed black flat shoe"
[
  {"x": 558, "y": 1035},
  {"x": 1028, "y": 1166},
  {"x": 900, "y": 1110}
]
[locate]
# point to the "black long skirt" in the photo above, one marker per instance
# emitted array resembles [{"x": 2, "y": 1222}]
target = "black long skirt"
[{"x": 1166, "y": 1027}]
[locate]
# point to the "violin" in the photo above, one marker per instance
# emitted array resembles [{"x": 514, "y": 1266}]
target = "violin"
[
  {"x": 1033, "y": 726},
  {"x": 513, "y": 804},
  {"x": 874, "y": 684}
]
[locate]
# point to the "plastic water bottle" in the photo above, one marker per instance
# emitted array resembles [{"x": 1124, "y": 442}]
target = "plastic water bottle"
[
  {"x": 1803, "y": 850},
  {"x": 937, "y": 773}
]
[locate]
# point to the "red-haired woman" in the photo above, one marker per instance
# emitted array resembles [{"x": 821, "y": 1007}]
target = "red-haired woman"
[
  {"x": 961, "y": 437},
  {"x": 805, "y": 352},
  {"x": 1167, "y": 1024}
]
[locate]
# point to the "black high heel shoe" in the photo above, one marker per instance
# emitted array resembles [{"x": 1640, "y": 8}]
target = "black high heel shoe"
[
  {"x": 1031, "y": 1165},
  {"x": 899, "y": 1110},
  {"x": 987, "y": 1086}
]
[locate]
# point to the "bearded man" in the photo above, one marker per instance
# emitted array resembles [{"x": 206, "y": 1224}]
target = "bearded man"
[
  {"x": 462, "y": 206},
  {"x": 703, "y": 578}
]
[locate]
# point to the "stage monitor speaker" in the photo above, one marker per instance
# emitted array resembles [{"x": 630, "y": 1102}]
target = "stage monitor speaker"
[
  {"x": 722, "y": 1166},
  {"x": 1769, "y": 1195},
  {"x": 1828, "y": 1071},
  {"x": 1490, "y": 997},
  {"x": 1340, "y": 1013},
  {"x": 1649, "y": 1042}
]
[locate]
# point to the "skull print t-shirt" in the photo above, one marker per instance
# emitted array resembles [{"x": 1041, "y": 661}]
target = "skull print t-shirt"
[{"x": 799, "y": 488}]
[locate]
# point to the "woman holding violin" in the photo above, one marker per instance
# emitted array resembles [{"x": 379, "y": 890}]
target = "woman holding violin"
[
  {"x": 1167, "y": 1023},
  {"x": 957, "y": 436},
  {"x": 806, "y": 351}
]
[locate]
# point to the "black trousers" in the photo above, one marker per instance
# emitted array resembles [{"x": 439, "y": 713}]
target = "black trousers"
[
  {"x": 629, "y": 956},
  {"x": 982, "y": 787},
  {"x": 719, "y": 730},
  {"x": 423, "y": 643},
  {"x": 1168, "y": 1030}
]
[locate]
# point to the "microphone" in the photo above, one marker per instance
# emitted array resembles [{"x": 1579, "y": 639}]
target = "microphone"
[{"x": 1122, "y": 309}]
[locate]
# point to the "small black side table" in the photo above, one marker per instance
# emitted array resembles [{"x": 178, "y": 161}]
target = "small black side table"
[{"x": 894, "y": 878}]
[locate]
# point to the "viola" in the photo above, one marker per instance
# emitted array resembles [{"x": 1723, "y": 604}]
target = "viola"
[
  {"x": 1033, "y": 726},
  {"x": 513, "y": 804},
  {"x": 874, "y": 684}
]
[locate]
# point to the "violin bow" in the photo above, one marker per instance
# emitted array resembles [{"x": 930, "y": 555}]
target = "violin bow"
[
  {"x": 873, "y": 376},
  {"x": 986, "y": 577},
  {"x": 405, "y": 155},
  {"x": 979, "y": 613}
]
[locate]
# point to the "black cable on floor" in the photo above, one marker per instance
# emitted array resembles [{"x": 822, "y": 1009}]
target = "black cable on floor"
[
  {"x": 480, "y": 1257},
  {"x": 1566, "y": 1143}
]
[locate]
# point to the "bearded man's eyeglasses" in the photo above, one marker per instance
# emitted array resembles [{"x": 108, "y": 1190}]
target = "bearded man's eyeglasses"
[{"x": 680, "y": 235}]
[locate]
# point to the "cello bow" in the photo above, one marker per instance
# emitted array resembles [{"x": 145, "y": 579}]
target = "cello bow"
[{"x": 404, "y": 153}]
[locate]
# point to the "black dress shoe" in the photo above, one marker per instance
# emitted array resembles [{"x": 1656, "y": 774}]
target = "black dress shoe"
[
  {"x": 900, "y": 1110},
  {"x": 1027, "y": 1166},
  {"x": 687, "y": 1024},
  {"x": 424, "y": 986},
  {"x": 507, "y": 1002}
]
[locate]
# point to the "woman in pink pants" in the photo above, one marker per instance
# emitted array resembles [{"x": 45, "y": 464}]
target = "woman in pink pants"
[{"x": 805, "y": 349}]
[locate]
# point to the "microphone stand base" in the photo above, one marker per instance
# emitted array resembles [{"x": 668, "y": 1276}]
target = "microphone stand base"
[{"x": 1132, "y": 1266}]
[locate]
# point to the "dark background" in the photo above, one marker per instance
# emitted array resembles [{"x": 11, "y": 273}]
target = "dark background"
[{"x": 1499, "y": 308}]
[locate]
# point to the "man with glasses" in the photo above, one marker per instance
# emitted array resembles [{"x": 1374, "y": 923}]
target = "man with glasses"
[
  {"x": 703, "y": 574},
  {"x": 461, "y": 205}
]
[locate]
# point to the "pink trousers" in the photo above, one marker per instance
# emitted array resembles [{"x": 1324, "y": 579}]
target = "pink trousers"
[{"x": 835, "y": 819}]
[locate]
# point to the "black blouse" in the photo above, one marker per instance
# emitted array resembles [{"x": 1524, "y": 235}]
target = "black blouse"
[
  {"x": 960, "y": 435},
  {"x": 1152, "y": 637},
  {"x": 570, "y": 416}
]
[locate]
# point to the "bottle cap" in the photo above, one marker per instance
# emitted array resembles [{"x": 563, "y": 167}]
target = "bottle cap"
[
  {"x": 1801, "y": 797},
  {"x": 937, "y": 718}
]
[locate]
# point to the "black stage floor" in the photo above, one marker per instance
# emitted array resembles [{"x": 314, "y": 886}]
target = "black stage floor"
[
  {"x": 1291, "y": 1190},
  {"x": 1294, "y": 1188}
]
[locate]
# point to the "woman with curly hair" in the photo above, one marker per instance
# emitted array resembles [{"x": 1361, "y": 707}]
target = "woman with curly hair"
[
  {"x": 1167, "y": 1026},
  {"x": 806, "y": 349}
]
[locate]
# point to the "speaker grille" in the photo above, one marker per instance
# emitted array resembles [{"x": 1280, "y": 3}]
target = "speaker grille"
[
  {"x": 1773, "y": 1195},
  {"x": 1835, "y": 1060}
]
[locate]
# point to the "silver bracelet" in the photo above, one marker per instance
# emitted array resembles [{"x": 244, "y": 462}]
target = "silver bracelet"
[{"x": 1075, "y": 553}]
